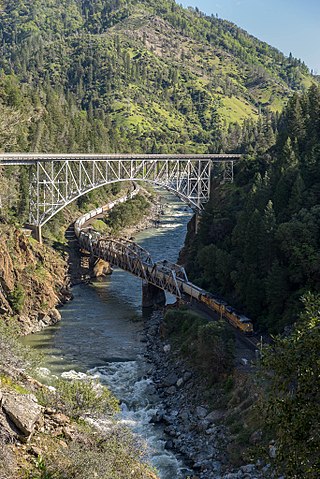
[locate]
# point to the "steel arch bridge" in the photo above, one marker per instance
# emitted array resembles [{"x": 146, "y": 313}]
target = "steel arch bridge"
[{"x": 58, "y": 179}]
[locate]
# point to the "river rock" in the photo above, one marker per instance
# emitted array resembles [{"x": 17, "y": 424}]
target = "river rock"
[
  {"x": 184, "y": 415},
  {"x": 44, "y": 319},
  {"x": 179, "y": 382},
  {"x": 102, "y": 268},
  {"x": 266, "y": 470},
  {"x": 214, "y": 416},
  {"x": 170, "y": 380},
  {"x": 233, "y": 475},
  {"x": 157, "y": 417},
  {"x": 248, "y": 468},
  {"x": 168, "y": 445},
  {"x": 55, "y": 315},
  {"x": 201, "y": 412},
  {"x": 272, "y": 451},
  {"x": 23, "y": 410},
  {"x": 187, "y": 375},
  {"x": 170, "y": 430},
  {"x": 212, "y": 431},
  {"x": 171, "y": 390},
  {"x": 202, "y": 425}
]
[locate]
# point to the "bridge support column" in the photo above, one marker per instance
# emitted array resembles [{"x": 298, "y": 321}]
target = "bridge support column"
[
  {"x": 36, "y": 232},
  {"x": 152, "y": 296},
  {"x": 196, "y": 222}
]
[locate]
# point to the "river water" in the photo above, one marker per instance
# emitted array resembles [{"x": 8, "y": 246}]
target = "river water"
[{"x": 102, "y": 334}]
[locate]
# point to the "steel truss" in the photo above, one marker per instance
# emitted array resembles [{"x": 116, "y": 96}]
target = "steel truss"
[
  {"x": 131, "y": 257},
  {"x": 55, "y": 184},
  {"x": 57, "y": 180}
]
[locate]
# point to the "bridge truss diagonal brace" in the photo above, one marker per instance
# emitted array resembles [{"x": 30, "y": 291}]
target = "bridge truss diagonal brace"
[
  {"x": 57, "y": 180},
  {"x": 228, "y": 172},
  {"x": 54, "y": 184},
  {"x": 132, "y": 258}
]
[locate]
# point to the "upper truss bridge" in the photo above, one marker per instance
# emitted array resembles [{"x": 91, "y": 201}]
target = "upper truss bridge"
[{"x": 58, "y": 179}]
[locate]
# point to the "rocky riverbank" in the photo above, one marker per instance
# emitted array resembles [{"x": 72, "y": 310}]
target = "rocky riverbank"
[
  {"x": 194, "y": 429},
  {"x": 42, "y": 432}
]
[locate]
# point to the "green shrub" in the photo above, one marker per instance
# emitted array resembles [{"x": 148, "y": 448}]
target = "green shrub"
[
  {"x": 207, "y": 344},
  {"x": 17, "y": 298},
  {"x": 13, "y": 355},
  {"x": 78, "y": 397},
  {"x": 112, "y": 455},
  {"x": 128, "y": 213}
]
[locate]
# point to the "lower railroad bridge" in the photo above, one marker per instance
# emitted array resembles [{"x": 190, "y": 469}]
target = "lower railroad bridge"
[{"x": 157, "y": 277}]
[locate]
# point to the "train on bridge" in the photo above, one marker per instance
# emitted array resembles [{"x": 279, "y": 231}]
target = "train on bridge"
[{"x": 165, "y": 275}]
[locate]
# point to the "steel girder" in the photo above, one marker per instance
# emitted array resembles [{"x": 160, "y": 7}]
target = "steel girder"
[
  {"x": 57, "y": 183},
  {"x": 131, "y": 257},
  {"x": 58, "y": 179}
]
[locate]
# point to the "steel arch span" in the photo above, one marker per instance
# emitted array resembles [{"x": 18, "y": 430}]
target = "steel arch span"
[{"x": 58, "y": 179}]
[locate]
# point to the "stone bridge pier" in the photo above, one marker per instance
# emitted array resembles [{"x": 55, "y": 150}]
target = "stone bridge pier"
[{"x": 152, "y": 296}]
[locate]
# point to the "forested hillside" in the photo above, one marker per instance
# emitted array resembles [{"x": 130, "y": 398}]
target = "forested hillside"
[
  {"x": 259, "y": 239},
  {"x": 131, "y": 75},
  {"x": 145, "y": 76}
]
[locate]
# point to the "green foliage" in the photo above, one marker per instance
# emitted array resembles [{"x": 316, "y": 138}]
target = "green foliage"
[
  {"x": 130, "y": 76},
  {"x": 17, "y": 298},
  {"x": 127, "y": 214},
  {"x": 43, "y": 471},
  {"x": 209, "y": 344},
  {"x": 78, "y": 397},
  {"x": 291, "y": 409},
  {"x": 8, "y": 383},
  {"x": 134, "y": 76},
  {"x": 259, "y": 239},
  {"x": 111, "y": 455},
  {"x": 14, "y": 357}
]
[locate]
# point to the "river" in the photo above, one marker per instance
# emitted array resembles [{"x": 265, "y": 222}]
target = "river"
[{"x": 102, "y": 334}]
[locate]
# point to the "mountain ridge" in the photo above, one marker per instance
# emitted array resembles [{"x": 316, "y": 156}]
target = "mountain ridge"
[{"x": 146, "y": 76}]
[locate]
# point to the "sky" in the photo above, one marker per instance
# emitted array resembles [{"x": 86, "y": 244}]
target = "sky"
[{"x": 289, "y": 25}]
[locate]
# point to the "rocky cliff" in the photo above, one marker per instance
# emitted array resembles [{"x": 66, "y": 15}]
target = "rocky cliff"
[{"x": 33, "y": 281}]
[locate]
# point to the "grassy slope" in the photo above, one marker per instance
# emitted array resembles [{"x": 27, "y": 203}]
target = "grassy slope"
[{"x": 155, "y": 72}]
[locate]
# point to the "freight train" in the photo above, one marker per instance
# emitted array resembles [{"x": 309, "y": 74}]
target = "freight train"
[
  {"x": 90, "y": 239},
  {"x": 220, "y": 307}
]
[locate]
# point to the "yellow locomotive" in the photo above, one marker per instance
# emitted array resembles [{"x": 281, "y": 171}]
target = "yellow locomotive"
[{"x": 238, "y": 320}]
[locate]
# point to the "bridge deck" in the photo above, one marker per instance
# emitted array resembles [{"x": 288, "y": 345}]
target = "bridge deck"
[{"x": 33, "y": 158}]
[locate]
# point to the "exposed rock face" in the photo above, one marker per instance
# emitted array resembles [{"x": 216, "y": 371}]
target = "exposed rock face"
[
  {"x": 23, "y": 410},
  {"x": 101, "y": 268},
  {"x": 32, "y": 281}
]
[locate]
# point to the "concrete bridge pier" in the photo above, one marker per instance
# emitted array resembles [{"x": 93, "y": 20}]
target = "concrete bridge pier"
[
  {"x": 196, "y": 222},
  {"x": 152, "y": 296},
  {"x": 36, "y": 231}
]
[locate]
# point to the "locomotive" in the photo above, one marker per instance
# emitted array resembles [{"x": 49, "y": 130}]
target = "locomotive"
[
  {"x": 238, "y": 320},
  {"x": 90, "y": 239}
]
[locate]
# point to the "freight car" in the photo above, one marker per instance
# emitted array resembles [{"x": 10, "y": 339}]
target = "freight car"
[{"x": 238, "y": 320}]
